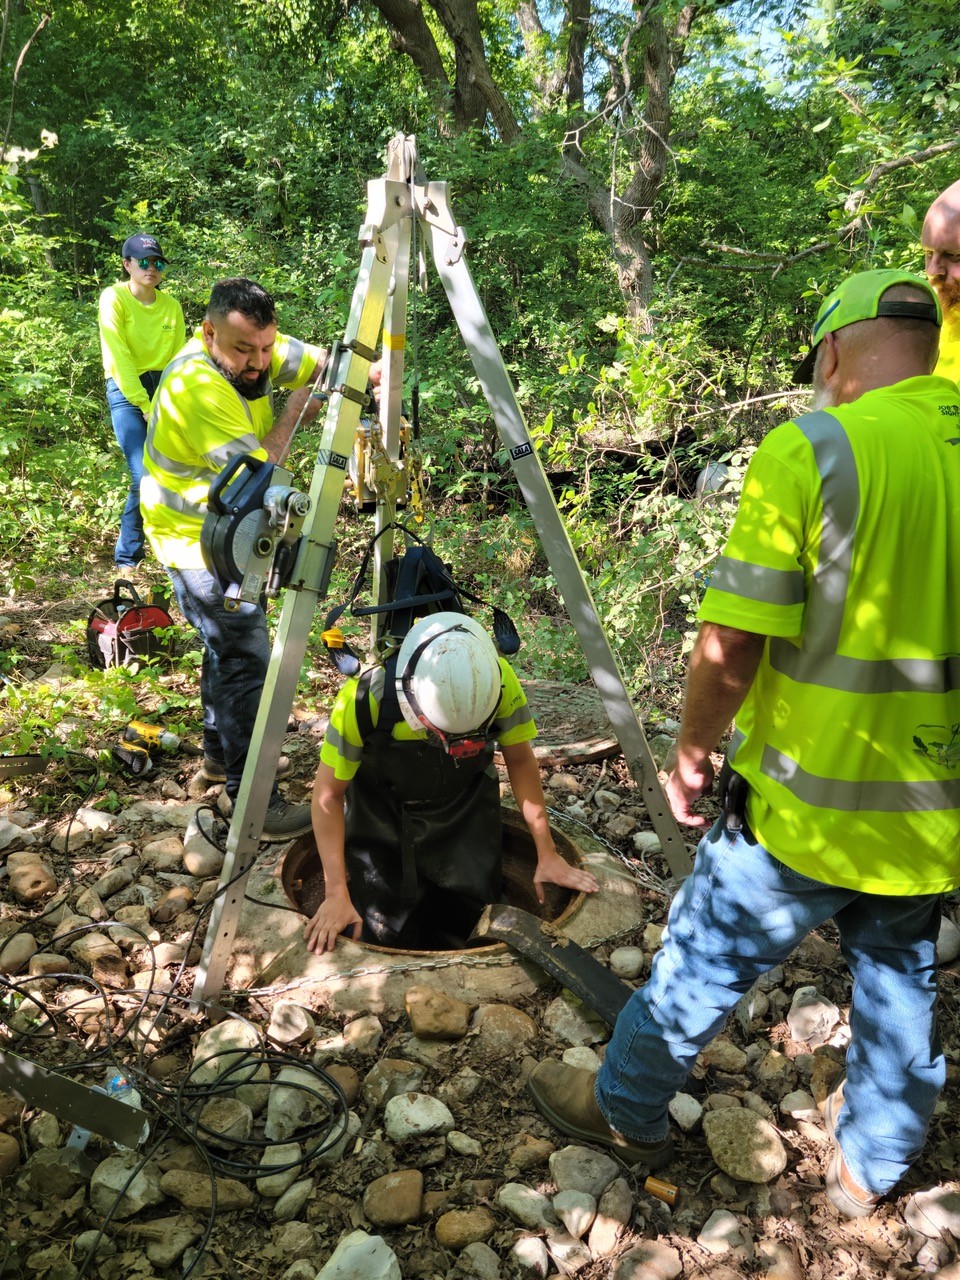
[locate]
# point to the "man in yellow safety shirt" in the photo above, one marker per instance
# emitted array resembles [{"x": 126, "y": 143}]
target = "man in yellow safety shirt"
[
  {"x": 940, "y": 240},
  {"x": 215, "y": 401},
  {"x": 831, "y": 634}
]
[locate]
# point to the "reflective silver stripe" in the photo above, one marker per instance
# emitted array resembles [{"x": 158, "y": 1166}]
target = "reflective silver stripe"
[
  {"x": 153, "y": 494},
  {"x": 218, "y": 458},
  {"x": 862, "y": 675},
  {"x": 182, "y": 470},
  {"x": 346, "y": 749},
  {"x": 859, "y": 797},
  {"x": 840, "y": 495},
  {"x": 757, "y": 581},
  {"x": 291, "y": 361},
  {"x": 523, "y": 715}
]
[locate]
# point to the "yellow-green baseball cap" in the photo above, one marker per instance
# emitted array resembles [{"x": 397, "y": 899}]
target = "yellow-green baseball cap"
[{"x": 858, "y": 298}]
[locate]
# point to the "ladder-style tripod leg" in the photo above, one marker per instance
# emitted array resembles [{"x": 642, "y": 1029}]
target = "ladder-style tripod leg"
[{"x": 448, "y": 242}]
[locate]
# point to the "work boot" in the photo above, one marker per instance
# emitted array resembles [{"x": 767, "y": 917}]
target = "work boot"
[
  {"x": 215, "y": 771},
  {"x": 283, "y": 821},
  {"x": 846, "y": 1195},
  {"x": 564, "y": 1095}
]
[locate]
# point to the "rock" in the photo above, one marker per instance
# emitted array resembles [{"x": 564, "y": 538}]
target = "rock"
[
  {"x": 43, "y": 1131},
  {"x": 744, "y": 1145},
  {"x": 799, "y": 1105},
  {"x": 723, "y": 1055},
  {"x": 31, "y": 877},
  {"x": 436, "y": 1016},
  {"x": 361, "y": 1257},
  {"x": 342, "y": 1074},
  {"x": 167, "y": 1239},
  {"x": 271, "y": 1185},
  {"x": 504, "y": 1032},
  {"x": 460, "y": 1227},
  {"x": 165, "y": 854},
  {"x": 290, "y": 1204},
  {"x": 294, "y": 1103},
  {"x": 576, "y": 1210},
  {"x": 750, "y": 1008},
  {"x": 295, "y": 1240},
  {"x": 194, "y": 1192},
  {"x": 578, "y": 1055},
  {"x": 363, "y": 1035},
  {"x": 16, "y": 952},
  {"x": 90, "y": 904},
  {"x": 334, "y": 1154},
  {"x": 614, "y": 1212},
  {"x": 686, "y": 1112},
  {"x": 934, "y": 1212},
  {"x": 112, "y": 1176},
  {"x": 775, "y": 1073},
  {"x": 416, "y": 1115},
  {"x": 607, "y": 801},
  {"x": 11, "y": 835},
  {"x": 477, "y": 1261},
  {"x": 721, "y": 1232},
  {"x": 226, "y": 1121},
  {"x": 530, "y": 1152},
  {"x": 390, "y": 1077},
  {"x": 620, "y": 826},
  {"x": 9, "y": 1154},
  {"x": 811, "y": 1017},
  {"x": 580, "y": 1169},
  {"x": 529, "y": 1208},
  {"x": 569, "y": 1019},
  {"x": 647, "y": 842},
  {"x": 290, "y": 1023},
  {"x": 229, "y": 1046},
  {"x": 567, "y": 782},
  {"x": 948, "y": 941},
  {"x": 460, "y": 1087},
  {"x": 45, "y": 962},
  {"x": 529, "y": 1259},
  {"x": 463, "y": 1144},
  {"x": 113, "y": 881},
  {"x": 92, "y": 948},
  {"x": 395, "y": 1199},
  {"x": 627, "y": 962},
  {"x": 662, "y": 745},
  {"x": 649, "y": 1260},
  {"x": 52, "y": 1175},
  {"x": 778, "y": 1261},
  {"x": 173, "y": 903},
  {"x": 720, "y": 1101}
]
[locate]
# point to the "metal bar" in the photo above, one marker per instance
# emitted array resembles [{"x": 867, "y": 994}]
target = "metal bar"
[{"x": 70, "y": 1100}]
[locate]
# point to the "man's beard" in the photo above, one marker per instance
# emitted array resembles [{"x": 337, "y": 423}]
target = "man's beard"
[
  {"x": 243, "y": 386},
  {"x": 949, "y": 292},
  {"x": 822, "y": 398}
]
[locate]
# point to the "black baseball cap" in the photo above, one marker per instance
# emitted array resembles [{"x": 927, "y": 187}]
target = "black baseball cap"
[{"x": 141, "y": 246}]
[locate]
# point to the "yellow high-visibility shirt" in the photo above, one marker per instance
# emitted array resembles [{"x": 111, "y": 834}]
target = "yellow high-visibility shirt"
[
  {"x": 846, "y": 554},
  {"x": 136, "y": 338}
]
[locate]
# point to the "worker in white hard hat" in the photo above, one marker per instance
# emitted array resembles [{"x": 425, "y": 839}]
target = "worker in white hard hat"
[{"x": 406, "y": 801}]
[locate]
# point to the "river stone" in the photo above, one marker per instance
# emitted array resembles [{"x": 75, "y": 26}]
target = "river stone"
[
  {"x": 169, "y": 1238},
  {"x": 529, "y": 1208},
  {"x": 53, "y": 1175},
  {"x": 111, "y": 1176},
  {"x": 434, "y": 1015},
  {"x": 363, "y": 1035},
  {"x": 686, "y": 1112},
  {"x": 16, "y": 952},
  {"x": 744, "y": 1145},
  {"x": 649, "y": 1260},
  {"x": 194, "y": 1192},
  {"x": 229, "y": 1120},
  {"x": 273, "y": 1185},
  {"x": 229, "y": 1046},
  {"x": 723, "y": 1055},
  {"x": 294, "y": 1103},
  {"x": 463, "y": 1144},
  {"x": 361, "y": 1257},
  {"x": 31, "y": 877},
  {"x": 416, "y": 1115},
  {"x": 948, "y": 941},
  {"x": 9, "y": 1154},
  {"x": 389, "y": 1078},
  {"x": 811, "y": 1017},
  {"x": 529, "y": 1259},
  {"x": 627, "y": 962},
  {"x": 504, "y": 1032},
  {"x": 295, "y": 1240},
  {"x": 458, "y": 1228},
  {"x": 721, "y": 1232},
  {"x": 576, "y": 1210},
  {"x": 290, "y": 1023},
  {"x": 395, "y": 1199},
  {"x": 460, "y": 1087},
  {"x": 776, "y": 1073},
  {"x": 614, "y": 1212},
  {"x": 289, "y": 1205},
  {"x": 569, "y": 1019},
  {"x": 477, "y": 1261},
  {"x": 580, "y": 1169},
  {"x": 934, "y": 1212}
]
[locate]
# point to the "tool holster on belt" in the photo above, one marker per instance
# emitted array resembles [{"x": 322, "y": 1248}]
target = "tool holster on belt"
[{"x": 733, "y": 791}]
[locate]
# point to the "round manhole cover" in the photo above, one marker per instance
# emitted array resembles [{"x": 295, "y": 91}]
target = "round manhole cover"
[{"x": 572, "y": 725}]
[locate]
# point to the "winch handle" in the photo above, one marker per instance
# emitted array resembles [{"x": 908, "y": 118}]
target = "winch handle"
[{"x": 215, "y": 501}]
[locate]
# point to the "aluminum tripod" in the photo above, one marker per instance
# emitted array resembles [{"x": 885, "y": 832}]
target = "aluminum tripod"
[{"x": 398, "y": 204}]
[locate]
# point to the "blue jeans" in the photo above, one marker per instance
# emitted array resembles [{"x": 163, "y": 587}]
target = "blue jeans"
[
  {"x": 738, "y": 914},
  {"x": 130, "y": 428},
  {"x": 236, "y": 654}
]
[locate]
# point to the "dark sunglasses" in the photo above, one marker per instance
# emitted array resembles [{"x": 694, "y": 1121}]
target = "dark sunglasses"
[{"x": 146, "y": 263}]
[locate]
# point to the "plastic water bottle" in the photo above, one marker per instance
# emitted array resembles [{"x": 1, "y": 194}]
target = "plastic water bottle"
[{"x": 120, "y": 1086}]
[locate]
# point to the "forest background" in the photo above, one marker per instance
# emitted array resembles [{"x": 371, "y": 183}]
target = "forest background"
[{"x": 655, "y": 195}]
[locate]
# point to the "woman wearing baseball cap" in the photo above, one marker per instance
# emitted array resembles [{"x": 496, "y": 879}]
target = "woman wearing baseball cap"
[{"x": 141, "y": 330}]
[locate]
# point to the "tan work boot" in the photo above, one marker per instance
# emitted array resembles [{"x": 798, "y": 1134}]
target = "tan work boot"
[
  {"x": 846, "y": 1195},
  {"x": 564, "y": 1096}
]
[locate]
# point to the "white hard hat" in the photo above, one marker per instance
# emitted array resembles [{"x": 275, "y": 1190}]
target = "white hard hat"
[{"x": 448, "y": 675}]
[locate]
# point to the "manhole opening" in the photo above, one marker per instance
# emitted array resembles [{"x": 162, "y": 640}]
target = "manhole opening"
[{"x": 302, "y": 879}]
